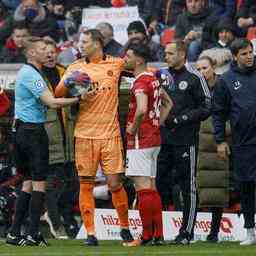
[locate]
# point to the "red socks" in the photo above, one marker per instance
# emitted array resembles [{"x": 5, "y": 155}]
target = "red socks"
[
  {"x": 150, "y": 209},
  {"x": 157, "y": 215}
]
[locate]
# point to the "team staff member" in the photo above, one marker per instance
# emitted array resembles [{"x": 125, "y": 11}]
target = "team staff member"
[
  {"x": 235, "y": 100},
  {"x": 97, "y": 132},
  {"x": 143, "y": 142},
  {"x": 192, "y": 102},
  {"x": 32, "y": 97},
  {"x": 62, "y": 182}
]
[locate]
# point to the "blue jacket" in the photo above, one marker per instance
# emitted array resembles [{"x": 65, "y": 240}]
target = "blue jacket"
[{"x": 235, "y": 100}]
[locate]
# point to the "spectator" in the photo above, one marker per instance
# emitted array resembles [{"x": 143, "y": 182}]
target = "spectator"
[
  {"x": 147, "y": 8},
  {"x": 5, "y": 24},
  {"x": 234, "y": 100},
  {"x": 58, "y": 12},
  {"x": 73, "y": 21},
  {"x": 190, "y": 24},
  {"x": 154, "y": 29},
  {"x": 39, "y": 21},
  {"x": 171, "y": 9},
  {"x": 12, "y": 52},
  {"x": 137, "y": 30},
  {"x": 111, "y": 46},
  {"x": 246, "y": 15},
  {"x": 219, "y": 47}
]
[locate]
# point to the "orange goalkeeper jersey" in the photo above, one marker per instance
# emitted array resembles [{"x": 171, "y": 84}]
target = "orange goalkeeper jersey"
[{"x": 98, "y": 114}]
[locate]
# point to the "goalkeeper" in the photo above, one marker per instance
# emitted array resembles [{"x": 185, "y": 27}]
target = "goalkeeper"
[{"x": 97, "y": 130}]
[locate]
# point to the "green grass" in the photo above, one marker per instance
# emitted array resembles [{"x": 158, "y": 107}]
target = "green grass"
[{"x": 113, "y": 248}]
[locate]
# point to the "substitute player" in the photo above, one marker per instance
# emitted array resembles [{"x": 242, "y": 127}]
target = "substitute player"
[
  {"x": 143, "y": 142},
  {"x": 97, "y": 132}
]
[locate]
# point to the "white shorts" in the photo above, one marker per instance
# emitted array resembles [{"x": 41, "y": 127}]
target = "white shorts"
[{"x": 142, "y": 162}]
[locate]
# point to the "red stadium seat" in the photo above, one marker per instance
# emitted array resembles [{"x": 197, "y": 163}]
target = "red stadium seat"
[
  {"x": 167, "y": 36},
  {"x": 251, "y": 34}
]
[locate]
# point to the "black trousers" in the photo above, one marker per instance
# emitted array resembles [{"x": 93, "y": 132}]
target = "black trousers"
[
  {"x": 177, "y": 165},
  {"x": 247, "y": 192}
]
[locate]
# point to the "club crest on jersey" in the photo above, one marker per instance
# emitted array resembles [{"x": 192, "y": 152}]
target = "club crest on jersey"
[
  {"x": 110, "y": 73},
  {"x": 39, "y": 84},
  {"x": 183, "y": 85}
]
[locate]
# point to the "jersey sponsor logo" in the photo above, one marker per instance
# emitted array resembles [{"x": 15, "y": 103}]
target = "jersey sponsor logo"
[
  {"x": 237, "y": 85},
  {"x": 39, "y": 84},
  {"x": 183, "y": 85}
]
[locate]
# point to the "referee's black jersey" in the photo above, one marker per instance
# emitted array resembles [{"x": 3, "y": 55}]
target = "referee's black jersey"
[{"x": 192, "y": 104}]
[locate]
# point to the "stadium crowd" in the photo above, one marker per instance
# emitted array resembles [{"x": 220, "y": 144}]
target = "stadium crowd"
[{"x": 206, "y": 155}]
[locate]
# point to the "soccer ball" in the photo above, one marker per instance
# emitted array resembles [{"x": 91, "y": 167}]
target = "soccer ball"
[{"x": 78, "y": 83}]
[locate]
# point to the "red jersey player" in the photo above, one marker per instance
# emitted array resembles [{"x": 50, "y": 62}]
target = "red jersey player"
[{"x": 143, "y": 142}]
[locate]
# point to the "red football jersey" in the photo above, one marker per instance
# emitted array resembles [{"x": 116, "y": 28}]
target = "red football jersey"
[{"x": 149, "y": 131}]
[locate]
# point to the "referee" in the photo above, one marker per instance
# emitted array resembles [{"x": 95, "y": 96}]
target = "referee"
[
  {"x": 32, "y": 97},
  {"x": 180, "y": 133}
]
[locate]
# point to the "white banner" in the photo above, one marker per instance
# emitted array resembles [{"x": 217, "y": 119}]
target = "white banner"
[
  {"x": 119, "y": 18},
  {"x": 107, "y": 226}
]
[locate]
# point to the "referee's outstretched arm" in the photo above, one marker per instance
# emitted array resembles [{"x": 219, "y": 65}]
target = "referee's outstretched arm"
[{"x": 49, "y": 100}]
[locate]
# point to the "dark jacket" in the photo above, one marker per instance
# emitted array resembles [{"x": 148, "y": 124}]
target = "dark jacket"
[
  {"x": 192, "y": 104},
  {"x": 113, "y": 48},
  {"x": 187, "y": 22},
  {"x": 235, "y": 100},
  {"x": 223, "y": 8},
  {"x": 148, "y": 8}
]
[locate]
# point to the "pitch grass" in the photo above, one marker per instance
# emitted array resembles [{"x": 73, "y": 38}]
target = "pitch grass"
[{"x": 113, "y": 248}]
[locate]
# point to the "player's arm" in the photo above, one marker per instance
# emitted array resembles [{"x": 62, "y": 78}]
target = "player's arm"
[
  {"x": 61, "y": 90},
  {"x": 49, "y": 100},
  {"x": 166, "y": 106},
  {"x": 141, "y": 110}
]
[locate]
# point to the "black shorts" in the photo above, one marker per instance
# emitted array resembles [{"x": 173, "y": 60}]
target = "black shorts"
[
  {"x": 32, "y": 152},
  {"x": 245, "y": 163}
]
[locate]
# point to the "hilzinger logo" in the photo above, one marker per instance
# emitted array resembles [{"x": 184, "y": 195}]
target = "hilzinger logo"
[
  {"x": 205, "y": 225},
  {"x": 110, "y": 220}
]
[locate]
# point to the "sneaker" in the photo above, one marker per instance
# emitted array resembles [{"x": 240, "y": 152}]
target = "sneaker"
[
  {"x": 60, "y": 233},
  {"x": 126, "y": 235},
  {"x": 91, "y": 240},
  {"x": 15, "y": 240},
  {"x": 158, "y": 241},
  {"x": 35, "y": 241},
  {"x": 211, "y": 238},
  {"x": 248, "y": 242},
  {"x": 182, "y": 239},
  {"x": 138, "y": 242}
]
